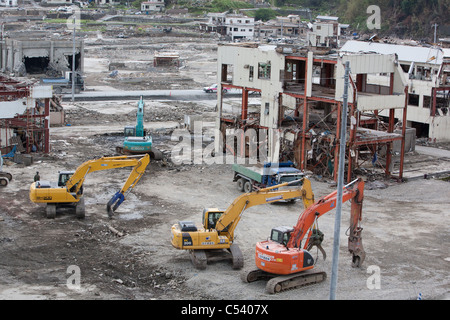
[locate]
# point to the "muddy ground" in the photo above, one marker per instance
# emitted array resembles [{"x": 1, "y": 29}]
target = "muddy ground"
[{"x": 405, "y": 225}]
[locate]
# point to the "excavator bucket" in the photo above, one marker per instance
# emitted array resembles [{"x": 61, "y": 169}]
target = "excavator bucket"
[
  {"x": 114, "y": 203},
  {"x": 156, "y": 154},
  {"x": 355, "y": 247}
]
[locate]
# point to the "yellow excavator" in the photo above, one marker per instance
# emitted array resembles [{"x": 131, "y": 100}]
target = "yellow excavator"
[
  {"x": 214, "y": 240},
  {"x": 68, "y": 191}
]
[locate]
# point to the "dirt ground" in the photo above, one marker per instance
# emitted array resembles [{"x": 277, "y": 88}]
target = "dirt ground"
[{"x": 405, "y": 225}]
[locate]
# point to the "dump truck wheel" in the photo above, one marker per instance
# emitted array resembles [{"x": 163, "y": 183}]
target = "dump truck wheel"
[
  {"x": 240, "y": 184},
  {"x": 248, "y": 187}
]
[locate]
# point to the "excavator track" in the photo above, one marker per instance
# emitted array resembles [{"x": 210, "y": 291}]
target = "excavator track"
[
  {"x": 237, "y": 257},
  {"x": 254, "y": 275},
  {"x": 283, "y": 283},
  {"x": 277, "y": 283},
  {"x": 199, "y": 259}
]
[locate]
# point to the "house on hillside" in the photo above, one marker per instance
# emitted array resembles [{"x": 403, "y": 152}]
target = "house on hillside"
[
  {"x": 326, "y": 32},
  {"x": 148, "y": 7},
  {"x": 9, "y": 3},
  {"x": 233, "y": 26}
]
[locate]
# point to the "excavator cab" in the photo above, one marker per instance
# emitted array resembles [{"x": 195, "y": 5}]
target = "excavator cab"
[
  {"x": 129, "y": 131},
  {"x": 64, "y": 176},
  {"x": 210, "y": 218},
  {"x": 281, "y": 234}
]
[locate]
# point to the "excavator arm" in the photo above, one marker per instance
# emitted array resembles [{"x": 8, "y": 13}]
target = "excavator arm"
[
  {"x": 133, "y": 179},
  {"x": 355, "y": 191},
  {"x": 140, "y": 118},
  {"x": 285, "y": 264},
  {"x": 139, "y": 163},
  {"x": 230, "y": 218}
]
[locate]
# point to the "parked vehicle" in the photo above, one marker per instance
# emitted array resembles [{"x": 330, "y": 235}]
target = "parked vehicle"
[
  {"x": 213, "y": 88},
  {"x": 64, "y": 84},
  {"x": 270, "y": 174}
]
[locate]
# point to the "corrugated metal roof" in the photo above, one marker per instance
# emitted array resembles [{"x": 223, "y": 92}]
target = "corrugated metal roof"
[
  {"x": 404, "y": 53},
  {"x": 327, "y": 18}
]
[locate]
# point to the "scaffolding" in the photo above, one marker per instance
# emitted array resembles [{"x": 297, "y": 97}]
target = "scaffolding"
[{"x": 27, "y": 130}]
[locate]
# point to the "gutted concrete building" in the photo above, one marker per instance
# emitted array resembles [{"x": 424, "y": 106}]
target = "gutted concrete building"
[
  {"x": 40, "y": 56},
  {"x": 298, "y": 113},
  {"x": 427, "y": 73}
]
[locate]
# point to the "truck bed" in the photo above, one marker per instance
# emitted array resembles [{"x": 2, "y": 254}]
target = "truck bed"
[{"x": 254, "y": 172}]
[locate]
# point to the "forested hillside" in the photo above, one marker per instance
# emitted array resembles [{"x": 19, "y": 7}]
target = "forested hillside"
[{"x": 404, "y": 18}]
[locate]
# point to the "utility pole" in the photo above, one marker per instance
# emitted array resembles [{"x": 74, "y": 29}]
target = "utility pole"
[
  {"x": 340, "y": 186},
  {"x": 73, "y": 58}
]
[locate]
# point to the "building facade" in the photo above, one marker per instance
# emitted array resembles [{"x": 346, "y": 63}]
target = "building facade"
[
  {"x": 233, "y": 26},
  {"x": 152, "y": 6},
  {"x": 427, "y": 73}
]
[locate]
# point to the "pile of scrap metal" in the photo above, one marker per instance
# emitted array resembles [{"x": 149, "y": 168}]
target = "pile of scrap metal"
[{"x": 321, "y": 155}]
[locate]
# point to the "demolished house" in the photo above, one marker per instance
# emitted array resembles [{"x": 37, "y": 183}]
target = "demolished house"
[
  {"x": 166, "y": 59},
  {"x": 298, "y": 115},
  {"x": 24, "y": 118}
]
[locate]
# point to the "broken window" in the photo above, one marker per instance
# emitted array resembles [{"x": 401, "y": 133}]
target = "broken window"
[
  {"x": 405, "y": 67},
  {"x": 250, "y": 73},
  {"x": 36, "y": 65},
  {"x": 427, "y": 102},
  {"x": 227, "y": 73},
  {"x": 264, "y": 70},
  {"x": 413, "y": 99}
]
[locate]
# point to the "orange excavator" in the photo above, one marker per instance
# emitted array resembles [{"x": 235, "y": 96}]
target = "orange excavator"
[{"x": 286, "y": 263}]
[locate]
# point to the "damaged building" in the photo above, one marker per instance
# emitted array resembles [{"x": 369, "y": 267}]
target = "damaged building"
[
  {"x": 25, "y": 111},
  {"x": 427, "y": 73},
  {"x": 297, "y": 115},
  {"x": 51, "y": 57}
]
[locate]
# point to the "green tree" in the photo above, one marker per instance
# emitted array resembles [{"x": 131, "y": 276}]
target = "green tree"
[{"x": 265, "y": 14}]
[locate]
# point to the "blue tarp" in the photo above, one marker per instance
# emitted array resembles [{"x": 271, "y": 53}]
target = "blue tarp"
[{"x": 10, "y": 154}]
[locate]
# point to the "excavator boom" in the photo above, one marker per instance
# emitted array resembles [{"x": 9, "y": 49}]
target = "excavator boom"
[{"x": 230, "y": 218}]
